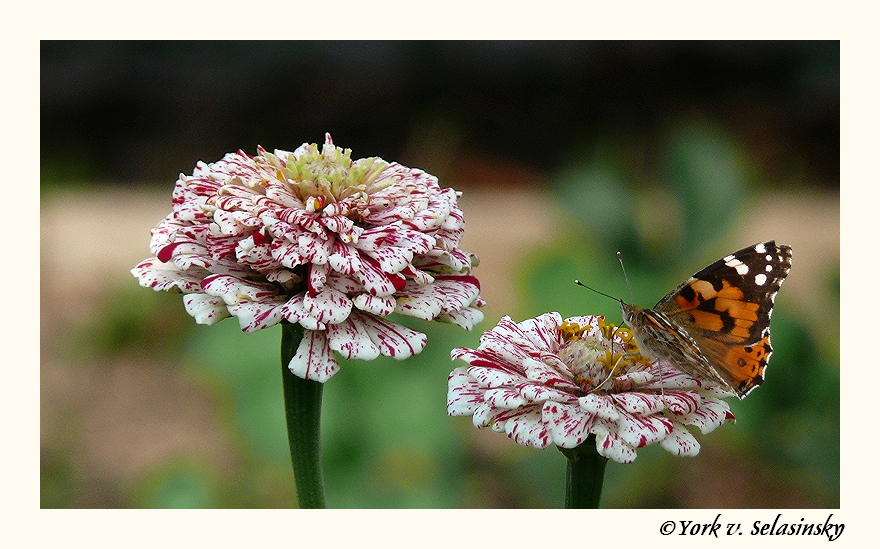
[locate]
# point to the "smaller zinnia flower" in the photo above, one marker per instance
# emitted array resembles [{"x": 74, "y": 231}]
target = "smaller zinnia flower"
[
  {"x": 552, "y": 381},
  {"x": 312, "y": 237}
]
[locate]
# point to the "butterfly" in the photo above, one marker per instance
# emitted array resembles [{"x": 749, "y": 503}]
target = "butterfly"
[{"x": 716, "y": 325}]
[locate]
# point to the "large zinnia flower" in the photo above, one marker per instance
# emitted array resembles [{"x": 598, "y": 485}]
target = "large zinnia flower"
[
  {"x": 316, "y": 238},
  {"x": 548, "y": 381}
]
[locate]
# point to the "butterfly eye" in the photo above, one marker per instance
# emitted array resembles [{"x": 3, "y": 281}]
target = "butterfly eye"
[{"x": 628, "y": 311}]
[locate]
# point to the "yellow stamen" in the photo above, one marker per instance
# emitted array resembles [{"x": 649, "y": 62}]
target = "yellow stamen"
[
  {"x": 610, "y": 359},
  {"x": 571, "y": 331}
]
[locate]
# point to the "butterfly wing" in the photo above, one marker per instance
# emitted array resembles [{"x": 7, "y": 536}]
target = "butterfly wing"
[
  {"x": 731, "y": 300},
  {"x": 726, "y": 309}
]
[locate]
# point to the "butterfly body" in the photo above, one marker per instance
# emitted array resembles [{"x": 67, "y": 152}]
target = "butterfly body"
[{"x": 716, "y": 325}]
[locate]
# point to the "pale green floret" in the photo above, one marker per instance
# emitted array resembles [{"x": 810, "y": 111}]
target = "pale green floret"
[{"x": 330, "y": 174}]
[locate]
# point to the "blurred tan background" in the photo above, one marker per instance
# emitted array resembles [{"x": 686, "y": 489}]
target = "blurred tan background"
[{"x": 674, "y": 153}]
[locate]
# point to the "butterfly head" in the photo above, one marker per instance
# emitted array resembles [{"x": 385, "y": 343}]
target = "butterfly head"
[
  {"x": 630, "y": 313},
  {"x": 647, "y": 329}
]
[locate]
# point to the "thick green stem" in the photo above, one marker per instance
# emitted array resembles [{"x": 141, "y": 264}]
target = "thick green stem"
[
  {"x": 302, "y": 405},
  {"x": 584, "y": 475}
]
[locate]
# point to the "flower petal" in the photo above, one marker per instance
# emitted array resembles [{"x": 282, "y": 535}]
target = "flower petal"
[
  {"x": 314, "y": 359},
  {"x": 313, "y": 248},
  {"x": 234, "y": 290},
  {"x": 420, "y": 301},
  {"x": 293, "y": 311},
  {"x": 601, "y": 406},
  {"x": 638, "y": 430},
  {"x": 484, "y": 417},
  {"x": 524, "y": 426},
  {"x": 465, "y": 318},
  {"x": 393, "y": 340},
  {"x": 391, "y": 259},
  {"x": 491, "y": 378},
  {"x": 352, "y": 340},
  {"x": 504, "y": 397},
  {"x": 160, "y": 276},
  {"x": 610, "y": 445},
  {"x": 256, "y": 315},
  {"x": 344, "y": 259},
  {"x": 711, "y": 414},
  {"x": 569, "y": 425},
  {"x": 680, "y": 442},
  {"x": 205, "y": 309},
  {"x": 639, "y": 403},
  {"x": 536, "y": 392},
  {"x": 381, "y": 306},
  {"x": 329, "y": 306},
  {"x": 376, "y": 281},
  {"x": 464, "y": 395}
]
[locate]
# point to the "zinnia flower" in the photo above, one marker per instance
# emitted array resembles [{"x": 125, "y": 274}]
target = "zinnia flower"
[
  {"x": 548, "y": 381},
  {"x": 315, "y": 238}
]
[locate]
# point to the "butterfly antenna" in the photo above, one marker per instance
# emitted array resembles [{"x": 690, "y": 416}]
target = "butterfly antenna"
[
  {"x": 622, "y": 268},
  {"x": 631, "y": 297},
  {"x": 579, "y": 283},
  {"x": 614, "y": 366}
]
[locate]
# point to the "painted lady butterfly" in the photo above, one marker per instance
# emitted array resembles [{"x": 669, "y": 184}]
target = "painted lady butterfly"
[{"x": 716, "y": 324}]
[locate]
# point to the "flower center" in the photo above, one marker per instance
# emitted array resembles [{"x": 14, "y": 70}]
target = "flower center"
[
  {"x": 595, "y": 357},
  {"x": 329, "y": 175}
]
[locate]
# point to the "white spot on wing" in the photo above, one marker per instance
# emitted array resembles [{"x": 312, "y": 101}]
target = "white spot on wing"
[
  {"x": 760, "y": 279},
  {"x": 740, "y": 267},
  {"x": 760, "y": 248}
]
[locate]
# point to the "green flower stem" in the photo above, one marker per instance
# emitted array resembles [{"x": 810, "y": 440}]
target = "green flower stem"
[
  {"x": 302, "y": 405},
  {"x": 584, "y": 475}
]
